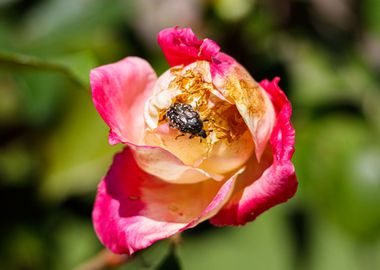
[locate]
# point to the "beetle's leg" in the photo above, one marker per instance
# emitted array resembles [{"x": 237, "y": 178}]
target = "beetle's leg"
[
  {"x": 180, "y": 135},
  {"x": 209, "y": 120},
  {"x": 172, "y": 125},
  {"x": 163, "y": 117}
]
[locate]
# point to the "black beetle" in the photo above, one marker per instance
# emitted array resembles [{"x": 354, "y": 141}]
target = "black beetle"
[{"x": 183, "y": 117}]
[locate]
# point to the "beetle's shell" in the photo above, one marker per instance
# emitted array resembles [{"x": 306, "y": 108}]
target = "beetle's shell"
[{"x": 183, "y": 117}]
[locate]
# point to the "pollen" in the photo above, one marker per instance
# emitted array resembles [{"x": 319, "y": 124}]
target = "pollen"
[
  {"x": 244, "y": 90},
  {"x": 221, "y": 119},
  {"x": 252, "y": 95}
]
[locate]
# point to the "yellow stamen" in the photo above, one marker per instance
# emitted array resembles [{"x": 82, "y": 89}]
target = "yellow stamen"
[{"x": 219, "y": 117}]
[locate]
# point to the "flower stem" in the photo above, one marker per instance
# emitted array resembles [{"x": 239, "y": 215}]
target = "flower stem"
[
  {"x": 176, "y": 240},
  {"x": 104, "y": 259}
]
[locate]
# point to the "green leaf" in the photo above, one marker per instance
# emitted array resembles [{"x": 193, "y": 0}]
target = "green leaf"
[
  {"x": 312, "y": 75},
  {"x": 25, "y": 248},
  {"x": 233, "y": 10},
  {"x": 76, "y": 66},
  {"x": 78, "y": 152},
  {"x": 171, "y": 261},
  {"x": 62, "y": 21},
  {"x": 74, "y": 242},
  {"x": 331, "y": 249},
  {"x": 253, "y": 246},
  {"x": 338, "y": 168},
  {"x": 150, "y": 258},
  {"x": 371, "y": 9},
  {"x": 79, "y": 64},
  {"x": 317, "y": 80}
]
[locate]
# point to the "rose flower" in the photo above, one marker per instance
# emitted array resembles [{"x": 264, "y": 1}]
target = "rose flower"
[{"x": 203, "y": 141}]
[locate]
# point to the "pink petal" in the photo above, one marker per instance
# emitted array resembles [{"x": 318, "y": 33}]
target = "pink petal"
[
  {"x": 119, "y": 91},
  {"x": 134, "y": 209},
  {"x": 277, "y": 184},
  {"x": 283, "y": 135},
  {"x": 182, "y": 47},
  {"x": 278, "y": 181}
]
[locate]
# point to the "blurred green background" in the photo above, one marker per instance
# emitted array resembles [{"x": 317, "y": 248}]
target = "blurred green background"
[{"x": 54, "y": 150}]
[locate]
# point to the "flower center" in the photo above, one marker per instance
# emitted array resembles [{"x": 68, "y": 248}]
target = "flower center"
[
  {"x": 221, "y": 120},
  {"x": 185, "y": 104}
]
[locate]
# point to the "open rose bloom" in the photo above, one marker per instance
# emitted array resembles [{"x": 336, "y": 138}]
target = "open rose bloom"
[{"x": 163, "y": 182}]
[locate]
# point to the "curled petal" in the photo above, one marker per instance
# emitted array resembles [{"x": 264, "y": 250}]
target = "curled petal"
[
  {"x": 284, "y": 135},
  {"x": 226, "y": 157},
  {"x": 277, "y": 184},
  {"x": 119, "y": 92},
  {"x": 134, "y": 209},
  {"x": 190, "y": 151},
  {"x": 277, "y": 181},
  {"x": 161, "y": 99},
  {"x": 163, "y": 164},
  {"x": 252, "y": 101},
  {"x": 182, "y": 47}
]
